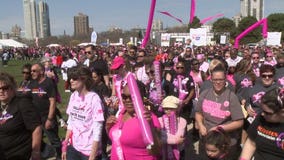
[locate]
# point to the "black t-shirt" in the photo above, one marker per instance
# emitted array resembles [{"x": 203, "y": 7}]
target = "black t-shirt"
[
  {"x": 16, "y": 129},
  {"x": 100, "y": 65},
  {"x": 41, "y": 92},
  {"x": 268, "y": 138}
]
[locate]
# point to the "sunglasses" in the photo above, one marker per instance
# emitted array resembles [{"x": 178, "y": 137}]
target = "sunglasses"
[
  {"x": 218, "y": 80},
  {"x": 180, "y": 67},
  {"x": 267, "y": 76},
  {"x": 26, "y": 72},
  {"x": 255, "y": 57},
  {"x": 34, "y": 71},
  {"x": 150, "y": 72},
  {"x": 125, "y": 97},
  {"x": 5, "y": 88},
  {"x": 88, "y": 52}
]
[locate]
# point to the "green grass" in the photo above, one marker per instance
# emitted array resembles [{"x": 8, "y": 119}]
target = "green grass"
[{"x": 14, "y": 68}]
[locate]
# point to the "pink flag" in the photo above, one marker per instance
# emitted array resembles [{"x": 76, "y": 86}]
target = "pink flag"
[
  {"x": 170, "y": 15},
  {"x": 150, "y": 21},
  {"x": 203, "y": 21},
  {"x": 192, "y": 11}
]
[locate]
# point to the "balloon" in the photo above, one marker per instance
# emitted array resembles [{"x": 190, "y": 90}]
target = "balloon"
[
  {"x": 117, "y": 84},
  {"x": 158, "y": 85},
  {"x": 192, "y": 11},
  {"x": 139, "y": 110},
  {"x": 250, "y": 28},
  {"x": 150, "y": 21},
  {"x": 203, "y": 21},
  {"x": 170, "y": 15}
]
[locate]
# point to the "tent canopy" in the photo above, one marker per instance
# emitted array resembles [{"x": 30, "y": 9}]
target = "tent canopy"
[{"x": 12, "y": 43}]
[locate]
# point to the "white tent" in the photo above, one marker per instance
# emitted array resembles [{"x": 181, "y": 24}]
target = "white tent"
[
  {"x": 12, "y": 43},
  {"x": 53, "y": 45}
]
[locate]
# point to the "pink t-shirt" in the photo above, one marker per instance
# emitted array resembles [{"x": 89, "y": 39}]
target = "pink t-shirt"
[
  {"x": 83, "y": 112},
  {"x": 131, "y": 140}
]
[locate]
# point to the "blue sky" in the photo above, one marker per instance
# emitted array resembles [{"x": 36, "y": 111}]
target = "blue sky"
[{"x": 125, "y": 14}]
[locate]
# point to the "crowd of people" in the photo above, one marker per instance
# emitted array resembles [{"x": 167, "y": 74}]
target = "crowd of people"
[{"x": 232, "y": 97}]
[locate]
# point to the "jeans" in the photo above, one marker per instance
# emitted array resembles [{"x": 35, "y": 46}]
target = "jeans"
[
  {"x": 73, "y": 154},
  {"x": 52, "y": 135}
]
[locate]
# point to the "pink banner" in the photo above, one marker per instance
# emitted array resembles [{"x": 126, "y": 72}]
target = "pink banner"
[
  {"x": 150, "y": 21},
  {"x": 203, "y": 21},
  {"x": 170, "y": 15},
  {"x": 192, "y": 11},
  {"x": 250, "y": 28}
]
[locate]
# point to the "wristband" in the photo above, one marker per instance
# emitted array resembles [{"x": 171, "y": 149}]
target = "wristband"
[
  {"x": 50, "y": 119},
  {"x": 64, "y": 146}
]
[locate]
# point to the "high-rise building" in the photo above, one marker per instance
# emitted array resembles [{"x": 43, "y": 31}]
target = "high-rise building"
[
  {"x": 81, "y": 25},
  {"x": 252, "y": 8},
  {"x": 157, "y": 25},
  {"x": 36, "y": 19},
  {"x": 43, "y": 20},
  {"x": 30, "y": 19}
]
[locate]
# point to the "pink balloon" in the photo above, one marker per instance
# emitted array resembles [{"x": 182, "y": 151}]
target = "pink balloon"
[
  {"x": 203, "y": 21},
  {"x": 192, "y": 11},
  {"x": 150, "y": 21},
  {"x": 139, "y": 110},
  {"x": 250, "y": 28},
  {"x": 170, "y": 15}
]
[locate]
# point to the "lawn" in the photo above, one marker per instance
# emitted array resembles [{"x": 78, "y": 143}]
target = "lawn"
[{"x": 14, "y": 68}]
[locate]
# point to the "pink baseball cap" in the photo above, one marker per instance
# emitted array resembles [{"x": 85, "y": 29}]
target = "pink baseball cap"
[{"x": 117, "y": 62}]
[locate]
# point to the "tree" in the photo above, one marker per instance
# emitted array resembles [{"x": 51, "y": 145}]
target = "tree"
[
  {"x": 195, "y": 23},
  {"x": 276, "y": 23},
  {"x": 223, "y": 25},
  {"x": 252, "y": 37}
]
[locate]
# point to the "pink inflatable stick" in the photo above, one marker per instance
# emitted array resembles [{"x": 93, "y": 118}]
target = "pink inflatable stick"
[
  {"x": 192, "y": 11},
  {"x": 250, "y": 28},
  {"x": 139, "y": 110},
  {"x": 150, "y": 21}
]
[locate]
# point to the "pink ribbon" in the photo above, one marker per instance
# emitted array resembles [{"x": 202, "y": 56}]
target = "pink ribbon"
[
  {"x": 139, "y": 110},
  {"x": 203, "y": 21},
  {"x": 250, "y": 28},
  {"x": 150, "y": 21},
  {"x": 192, "y": 11},
  {"x": 170, "y": 15}
]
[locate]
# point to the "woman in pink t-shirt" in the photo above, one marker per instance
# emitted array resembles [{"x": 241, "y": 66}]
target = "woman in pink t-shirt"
[
  {"x": 126, "y": 133},
  {"x": 85, "y": 118}
]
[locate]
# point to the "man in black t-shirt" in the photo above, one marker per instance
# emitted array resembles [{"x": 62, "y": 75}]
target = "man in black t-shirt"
[
  {"x": 96, "y": 62},
  {"x": 43, "y": 93}
]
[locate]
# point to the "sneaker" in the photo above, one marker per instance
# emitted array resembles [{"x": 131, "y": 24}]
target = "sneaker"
[{"x": 62, "y": 123}]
